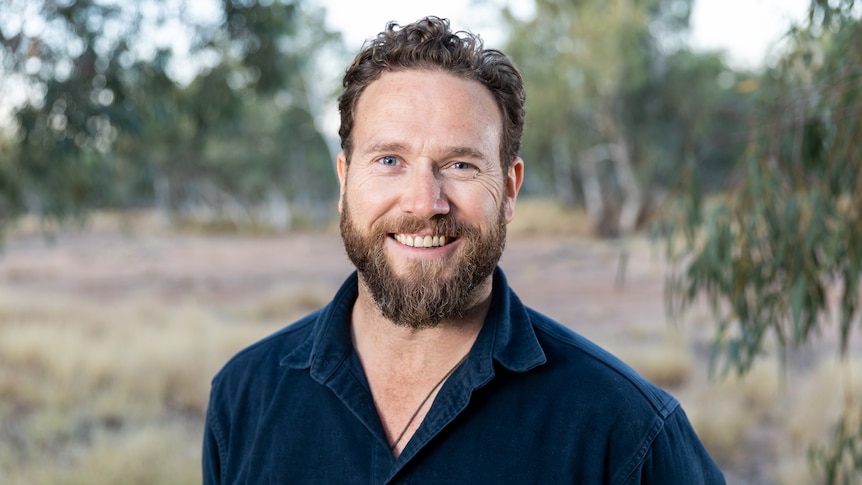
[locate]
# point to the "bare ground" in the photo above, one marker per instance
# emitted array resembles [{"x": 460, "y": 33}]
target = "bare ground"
[{"x": 573, "y": 280}]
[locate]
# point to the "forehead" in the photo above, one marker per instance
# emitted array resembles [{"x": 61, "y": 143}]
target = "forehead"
[{"x": 427, "y": 105}]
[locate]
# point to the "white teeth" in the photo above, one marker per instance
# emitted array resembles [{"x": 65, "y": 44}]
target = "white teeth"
[{"x": 421, "y": 242}]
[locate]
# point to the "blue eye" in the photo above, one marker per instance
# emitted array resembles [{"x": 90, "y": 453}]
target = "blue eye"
[
  {"x": 461, "y": 165},
  {"x": 389, "y": 161}
]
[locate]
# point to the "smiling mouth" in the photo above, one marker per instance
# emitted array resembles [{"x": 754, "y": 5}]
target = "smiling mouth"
[{"x": 422, "y": 241}]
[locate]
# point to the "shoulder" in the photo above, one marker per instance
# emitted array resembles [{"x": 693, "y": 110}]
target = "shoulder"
[
  {"x": 255, "y": 371},
  {"x": 265, "y": 356},
  {"x": 576, "y": 359},
  {"x": 644, "y": 426}
]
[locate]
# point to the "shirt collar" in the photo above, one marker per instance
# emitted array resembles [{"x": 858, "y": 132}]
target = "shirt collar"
[{"x": 507, "y": 336}]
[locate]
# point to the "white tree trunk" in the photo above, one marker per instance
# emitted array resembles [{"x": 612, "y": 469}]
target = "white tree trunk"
[{"x": 618, "y": 155}]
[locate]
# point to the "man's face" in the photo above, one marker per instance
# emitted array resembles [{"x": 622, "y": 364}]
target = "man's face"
[{"x": 424, "y": 201}]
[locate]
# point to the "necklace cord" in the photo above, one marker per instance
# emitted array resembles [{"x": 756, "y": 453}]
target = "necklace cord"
[{"x": 427, "y": 397}]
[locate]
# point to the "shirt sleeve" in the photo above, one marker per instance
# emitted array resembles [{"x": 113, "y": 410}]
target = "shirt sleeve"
[
  {"x": 678, "y": 456},
  {"x": 211, "y": 457}
]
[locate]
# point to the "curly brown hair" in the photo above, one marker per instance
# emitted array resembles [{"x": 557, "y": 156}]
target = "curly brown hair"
[{"x": 430, "y": 44}]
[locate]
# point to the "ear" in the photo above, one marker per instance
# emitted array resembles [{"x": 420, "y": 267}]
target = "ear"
[
  {"x": 514, "y": 179},
  {"x": 341, "y": 168}
]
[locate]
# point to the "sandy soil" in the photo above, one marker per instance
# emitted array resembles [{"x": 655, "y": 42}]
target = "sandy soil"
[{"x": 572, "y": 280}]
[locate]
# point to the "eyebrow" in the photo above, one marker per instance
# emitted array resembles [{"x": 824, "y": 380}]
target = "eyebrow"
[
  {"x": 386, "y": 148},
  {"x": 458, "y": 151},
  {"x": 468, "y": 152}
]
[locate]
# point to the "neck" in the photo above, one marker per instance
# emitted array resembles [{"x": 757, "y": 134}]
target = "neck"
[
  {"x": 406, "y": 367},
  {"x": 379, "y": 341}
]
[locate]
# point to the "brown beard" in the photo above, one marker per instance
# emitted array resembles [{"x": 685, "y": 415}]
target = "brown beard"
[{"x": 425, "y": 295}]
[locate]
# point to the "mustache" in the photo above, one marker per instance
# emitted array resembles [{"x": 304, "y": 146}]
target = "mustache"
[{"x": 440, "y": 225}]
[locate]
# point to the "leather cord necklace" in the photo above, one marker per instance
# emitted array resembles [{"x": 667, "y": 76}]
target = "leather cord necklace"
[{"x": 427, "y": 397}]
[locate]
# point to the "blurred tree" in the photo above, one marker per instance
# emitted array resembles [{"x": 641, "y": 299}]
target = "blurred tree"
[
  {"x": 769, "y": 256},
  {"x": 616, "y": 104},
  {"x": 76, "y": 103},
  {"x": 119, "y": 113}
]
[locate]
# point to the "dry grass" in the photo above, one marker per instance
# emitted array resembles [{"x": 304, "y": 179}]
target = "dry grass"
[
  {"x": 667, "y": 364},
  {"x": 97, "y": 394},
  {"x": 726, "y": 412},
  {"x": 535, "y": 216},
  {"x": 764, "y": 423},
  {"x": 284, "y": 304}
]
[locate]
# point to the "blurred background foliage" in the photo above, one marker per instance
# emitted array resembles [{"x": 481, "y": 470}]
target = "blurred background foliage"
[
  {"x": 617, "y": 103},
  {"x": 779, "y": 255},
  {"x": 116, "y": 118},
  {"x": 752, "y": 178},
  {"x": 790, "y": 227},
  {"x": 234, "y": 125}
]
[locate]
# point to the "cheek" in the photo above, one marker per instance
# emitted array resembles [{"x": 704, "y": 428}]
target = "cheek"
[
  {"x": 488, "y": 196},
  {"x": 368, "y": 199},
  {"x": 479, "y": 207}
]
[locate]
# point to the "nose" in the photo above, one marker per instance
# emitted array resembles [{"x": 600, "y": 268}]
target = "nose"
[{"x": 423, "y": 194}]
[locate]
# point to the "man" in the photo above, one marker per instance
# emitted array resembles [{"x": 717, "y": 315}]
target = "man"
[{"x": 425, "y": 367}]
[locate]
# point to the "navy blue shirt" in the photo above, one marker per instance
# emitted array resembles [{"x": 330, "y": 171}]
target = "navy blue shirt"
[{"x": 533, "y": 403}]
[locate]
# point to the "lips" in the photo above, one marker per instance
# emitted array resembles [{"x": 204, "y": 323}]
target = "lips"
[{"x": 422, "y": 241}]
